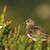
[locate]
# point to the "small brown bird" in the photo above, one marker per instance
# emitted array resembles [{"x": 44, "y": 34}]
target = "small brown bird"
[{"x": 32, "y": 29}]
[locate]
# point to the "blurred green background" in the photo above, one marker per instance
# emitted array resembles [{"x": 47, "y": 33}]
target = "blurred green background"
[{"x": 20, "y": 10}]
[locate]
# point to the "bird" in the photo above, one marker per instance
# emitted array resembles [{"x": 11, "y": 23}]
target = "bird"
[{"x": 32, "y": 29}]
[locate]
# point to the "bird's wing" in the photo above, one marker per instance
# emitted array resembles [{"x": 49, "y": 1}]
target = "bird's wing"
[
  {"x": 43, "y": 33},
  {"x": 39, "y": 28}
]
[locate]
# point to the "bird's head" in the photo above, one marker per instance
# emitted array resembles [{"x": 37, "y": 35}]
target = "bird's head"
[{"x": 29, "y": 22}]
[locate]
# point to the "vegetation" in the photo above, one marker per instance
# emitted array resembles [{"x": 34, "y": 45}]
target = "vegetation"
[{"x": 10, "y": 38}]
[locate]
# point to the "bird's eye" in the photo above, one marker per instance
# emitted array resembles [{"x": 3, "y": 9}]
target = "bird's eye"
[{"x": 28, "y": 21}]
